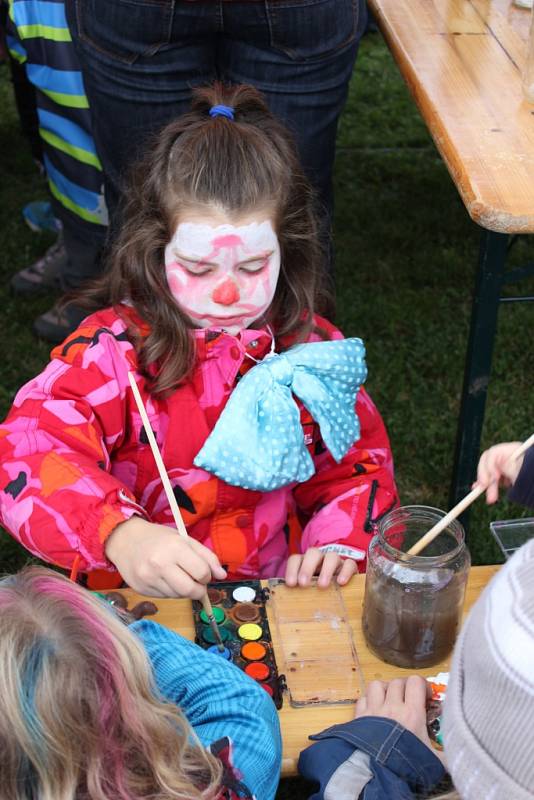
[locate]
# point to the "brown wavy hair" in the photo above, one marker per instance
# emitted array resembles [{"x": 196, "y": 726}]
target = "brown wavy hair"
[{"x": 240, "y": 166}]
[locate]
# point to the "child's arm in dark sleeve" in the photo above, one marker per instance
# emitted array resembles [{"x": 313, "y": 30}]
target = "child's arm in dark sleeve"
[{"x": 523, "y": 489}]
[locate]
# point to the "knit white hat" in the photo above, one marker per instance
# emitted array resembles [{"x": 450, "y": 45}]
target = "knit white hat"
[{"x": 488, "y": 720}]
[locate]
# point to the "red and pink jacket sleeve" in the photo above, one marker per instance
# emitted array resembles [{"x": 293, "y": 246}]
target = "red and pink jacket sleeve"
[
  {"x": 343, "y": 501},
  {"x": 59, "y": 498}
]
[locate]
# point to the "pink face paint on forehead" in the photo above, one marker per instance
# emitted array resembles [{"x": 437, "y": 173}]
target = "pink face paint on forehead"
[
  {"x": 223, "y": 276},
  {"x": 230, "y": 240}
]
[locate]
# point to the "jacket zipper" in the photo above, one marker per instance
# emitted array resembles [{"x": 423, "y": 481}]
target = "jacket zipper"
[{"x": 128, "y": 500}]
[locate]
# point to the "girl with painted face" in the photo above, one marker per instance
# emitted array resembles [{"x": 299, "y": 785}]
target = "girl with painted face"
[{"x": 279, "y": 464}]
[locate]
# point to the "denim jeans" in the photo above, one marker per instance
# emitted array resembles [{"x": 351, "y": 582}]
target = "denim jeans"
[
  {"x": 84, "y": 254},
  {"x": 141, "y": 58}
]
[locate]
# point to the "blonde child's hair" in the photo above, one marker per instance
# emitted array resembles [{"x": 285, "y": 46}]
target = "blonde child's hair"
[{"x": 80, "y": 718}]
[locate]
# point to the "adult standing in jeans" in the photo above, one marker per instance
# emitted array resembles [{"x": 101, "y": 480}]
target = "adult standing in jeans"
[{"x": 141, "y": 58}]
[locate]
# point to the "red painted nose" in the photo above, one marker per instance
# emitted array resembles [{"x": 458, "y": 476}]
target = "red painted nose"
[{"x": 226, "y": 293}]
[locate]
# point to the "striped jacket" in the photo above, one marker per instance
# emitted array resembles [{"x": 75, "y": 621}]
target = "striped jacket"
[
  {"x": 220, "y": 703},
  {"x": 38, "y": 36}
]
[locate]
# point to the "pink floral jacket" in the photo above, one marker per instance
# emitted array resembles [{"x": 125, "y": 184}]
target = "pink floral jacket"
[{"x": 75, "y": 461}]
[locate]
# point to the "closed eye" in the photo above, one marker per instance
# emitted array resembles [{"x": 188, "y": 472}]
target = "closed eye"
[
  {"x": 196, "y": 268},
  {"x": 252, "y": 267}
]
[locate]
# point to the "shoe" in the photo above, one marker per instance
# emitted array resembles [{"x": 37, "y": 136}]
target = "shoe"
[
  {"x": 56, "y": 324},
  {"x": 43, "y": 275},
  {"x": 39, "y": 217}
]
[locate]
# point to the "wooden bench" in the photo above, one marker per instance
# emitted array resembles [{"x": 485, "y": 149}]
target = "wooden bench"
[{"x": 462, "y": 60}]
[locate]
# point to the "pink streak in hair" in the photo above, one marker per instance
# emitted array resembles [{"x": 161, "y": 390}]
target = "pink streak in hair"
[{"x": 115, "y": 700}]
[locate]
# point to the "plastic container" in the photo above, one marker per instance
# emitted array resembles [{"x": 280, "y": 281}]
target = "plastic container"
[{"x": 413, "y": 604}]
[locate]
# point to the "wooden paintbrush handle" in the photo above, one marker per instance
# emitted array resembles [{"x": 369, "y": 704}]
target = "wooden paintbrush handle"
[
  {"x": 440, "y": 526},
  {"x": 458, "y": 509},
  {"x": 180, "y": 526}
]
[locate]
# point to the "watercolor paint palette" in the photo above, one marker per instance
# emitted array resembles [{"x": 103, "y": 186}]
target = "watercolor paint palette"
[
  {"x": 239, "y": 609},
  {"x": 317, "y": 662}
]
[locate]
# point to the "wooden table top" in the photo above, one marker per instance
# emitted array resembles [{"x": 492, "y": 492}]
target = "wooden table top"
[
  {"x": 298, "y": 723},
  {"x": 462, "y": 60}
]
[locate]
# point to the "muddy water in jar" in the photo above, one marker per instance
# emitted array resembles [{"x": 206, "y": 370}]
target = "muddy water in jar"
[{"x": 413, "y": 604}]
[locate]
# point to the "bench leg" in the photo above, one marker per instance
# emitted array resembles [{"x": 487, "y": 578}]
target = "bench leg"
[{"x": 489, "y": 279}]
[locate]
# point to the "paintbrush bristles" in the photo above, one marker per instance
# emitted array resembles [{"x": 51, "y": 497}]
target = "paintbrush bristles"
[
  {"x": 215, "y": 628},
  {"x": 208, "y": 608}
]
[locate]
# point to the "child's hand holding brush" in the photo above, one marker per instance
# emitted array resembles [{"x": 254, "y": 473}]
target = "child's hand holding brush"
[{"x": 496, "y": 468}]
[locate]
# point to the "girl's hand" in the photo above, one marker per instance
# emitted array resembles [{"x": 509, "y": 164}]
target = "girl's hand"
[
  {"x": 495, "y": 468},
  {"x": 403, "y": 700},
  {"x": 301, "y": 569},
  {"x": 157, "y": 561}
]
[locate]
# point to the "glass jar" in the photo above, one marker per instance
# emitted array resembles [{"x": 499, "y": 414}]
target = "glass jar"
[{"x": 413, "y": 604}]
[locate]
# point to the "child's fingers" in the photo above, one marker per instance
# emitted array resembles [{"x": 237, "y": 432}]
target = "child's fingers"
[
  {"x": 417, "y": 691},
  {"x": 156, "y": 588},
  {"x": 175, "y": 583},
  {"x": 395, "y": 690},
  {"x": 484, "y": 474},
  {"x": 310, "y": 561},
  {"x": 161, "y": 588},
  {"x": 182, "y": 553},
  {"x": 331, "y": 563},
  {"x": 292, "y": 569},
  {"x": 376, "y": 695},
  {"x": 488, "y": 475},
  {"x": 361, "y": 707},
  {"x": 217, "y": 571},
  {"x": 349, "y": 567},
  {"x": 492, "y": 492},
  {"x": 181, "y": 584},
  {"x": 496, "y": 467}
]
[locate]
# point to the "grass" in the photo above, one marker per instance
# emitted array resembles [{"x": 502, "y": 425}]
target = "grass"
[{"x": 406, "y": 255}]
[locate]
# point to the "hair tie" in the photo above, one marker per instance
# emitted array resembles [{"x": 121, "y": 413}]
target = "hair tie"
[{"x": 222, "y": 111}]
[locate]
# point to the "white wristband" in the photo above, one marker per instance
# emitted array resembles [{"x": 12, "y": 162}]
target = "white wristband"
[{"x": 343, "y": 550}]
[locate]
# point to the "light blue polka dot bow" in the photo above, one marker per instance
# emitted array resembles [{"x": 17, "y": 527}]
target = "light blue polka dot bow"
[{"x": 258, "y": 441}]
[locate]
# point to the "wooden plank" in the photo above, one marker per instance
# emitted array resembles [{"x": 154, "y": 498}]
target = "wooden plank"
[
  {"x": 298, "y": 723},
  {"x": 462, "y": 61},
  {"x": 517, "y": 18}
]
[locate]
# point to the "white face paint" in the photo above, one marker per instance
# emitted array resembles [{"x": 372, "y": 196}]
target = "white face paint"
[{"x": 223, "y": 275}]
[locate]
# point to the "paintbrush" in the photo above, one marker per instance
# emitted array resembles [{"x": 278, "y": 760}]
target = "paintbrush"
[
  {"x": 206, "y": 604},
  {"x": 425, "y": 540}
]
